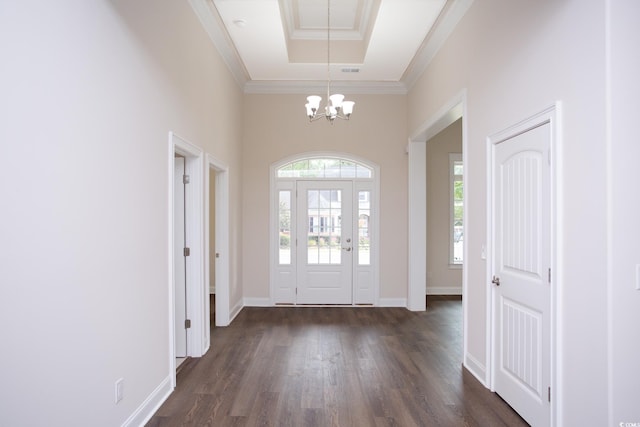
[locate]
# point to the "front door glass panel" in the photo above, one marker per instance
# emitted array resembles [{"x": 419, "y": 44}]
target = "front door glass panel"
[{"x": 324, "y": 219}]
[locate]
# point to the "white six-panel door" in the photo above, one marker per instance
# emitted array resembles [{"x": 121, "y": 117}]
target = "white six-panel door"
[
  {"x": 324, "y": 242},
  {"x": 521, "y": 268}
]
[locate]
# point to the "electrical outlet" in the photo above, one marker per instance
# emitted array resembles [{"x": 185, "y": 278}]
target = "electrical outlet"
[{"x": 119, "y": 389}]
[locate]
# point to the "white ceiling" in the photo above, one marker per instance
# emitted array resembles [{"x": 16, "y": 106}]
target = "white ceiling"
[{"x": 377, "y": 46}]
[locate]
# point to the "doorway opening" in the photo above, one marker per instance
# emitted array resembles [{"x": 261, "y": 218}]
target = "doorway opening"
[
  {"x": 187, "y": 332},
  {"x": 418, "y": 287},
  {"x": 445, "y": 205},
  {"x": 217, "y": 251}
]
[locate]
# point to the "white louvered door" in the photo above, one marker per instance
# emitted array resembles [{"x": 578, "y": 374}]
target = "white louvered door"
[{"x": 522, "y": 259}]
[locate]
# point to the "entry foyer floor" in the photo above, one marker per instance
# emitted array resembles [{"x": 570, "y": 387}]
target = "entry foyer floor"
[{"x": 335, "y": 366}]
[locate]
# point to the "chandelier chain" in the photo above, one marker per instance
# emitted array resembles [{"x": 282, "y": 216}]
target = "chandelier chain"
[
  {"x": 336, "y": 107},
  {"x": 328, "y": 47}
]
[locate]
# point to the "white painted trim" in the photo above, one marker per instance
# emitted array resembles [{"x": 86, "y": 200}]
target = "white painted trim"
[
  {"x": 151, "y": 404},
  {"x": 476, "y": 368},
  {"x": 552, "y": 116},
  {"x": 235, "y": 310},
  {"x": 171, "y": 261},
  {"x": 257, "y": 302},
  {"x": 442, "y": 29},
  {"x": 444, "y": 290},
  {"x": 393, "y": 302},
  {"x": 306, "y": 87},
  {"x": 417, "y": 181},
  {"x": 196, "y": 287},
  {"x": 221, "y": 235},
  {"x": 212, "y": 24}
]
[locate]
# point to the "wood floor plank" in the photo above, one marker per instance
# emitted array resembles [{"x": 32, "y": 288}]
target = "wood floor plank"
[{"x": 335, "y": 366}]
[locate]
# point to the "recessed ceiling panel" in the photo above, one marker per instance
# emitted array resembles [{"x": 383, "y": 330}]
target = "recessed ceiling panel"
[{"x": 282, "y": 40}]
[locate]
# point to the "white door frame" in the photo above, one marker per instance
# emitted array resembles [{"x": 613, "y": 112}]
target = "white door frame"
[
  {"x": 195, "y": 262},
  {"x": 213, "y": 165},
  {"x": 549, "y": 115},
  {"x": 372, "y": 293},
  {"x": 417, "y": 149}
]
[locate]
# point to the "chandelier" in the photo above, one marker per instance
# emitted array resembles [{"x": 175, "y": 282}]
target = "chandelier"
[{"x": 336, "y": 106}]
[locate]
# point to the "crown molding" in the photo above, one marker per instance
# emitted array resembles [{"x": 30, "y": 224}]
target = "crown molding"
[
  {"x": 212, "y": 23},
  {"x": 320, "y": 87},
  {"x": 449, "y": 18}
]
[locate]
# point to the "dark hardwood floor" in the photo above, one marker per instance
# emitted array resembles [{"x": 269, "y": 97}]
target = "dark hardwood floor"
[{"x": 327, "y": 366}]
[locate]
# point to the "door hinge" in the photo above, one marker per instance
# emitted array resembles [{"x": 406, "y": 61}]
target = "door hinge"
[
  {"x": 187, "y": 323},
  {"x": 549, "y": 393},
  {"x": 549, "y": 276},
  {"x": 185, "y": 179},
  {"x": 187, "y": 251}
]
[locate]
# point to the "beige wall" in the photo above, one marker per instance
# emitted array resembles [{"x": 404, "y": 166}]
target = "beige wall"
[
  {"x": 515, "y": 58},
  {"x": 442, "y": 278},
  {"x": 276, "y": 127}
]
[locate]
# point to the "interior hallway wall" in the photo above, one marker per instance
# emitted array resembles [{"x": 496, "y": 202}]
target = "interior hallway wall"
[
  {"x": 516, "y": 58},
  {"x": 90, "y": 91}
]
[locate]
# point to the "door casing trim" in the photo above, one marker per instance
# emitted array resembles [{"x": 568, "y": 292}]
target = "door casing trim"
[
  {"x": 195, "y": 262},
  {"x": 551, "y": 115}
]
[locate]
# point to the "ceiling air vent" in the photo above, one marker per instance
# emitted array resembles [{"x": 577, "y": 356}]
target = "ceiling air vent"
[{"x": 351, "y": 70}]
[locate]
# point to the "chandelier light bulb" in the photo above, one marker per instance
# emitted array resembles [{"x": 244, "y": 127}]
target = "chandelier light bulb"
[
  {"x": 347, "y": 108},
  {"x": 336, "y": 100}
]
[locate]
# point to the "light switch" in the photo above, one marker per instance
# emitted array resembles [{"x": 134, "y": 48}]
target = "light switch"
[{"x": 483, "y": 252}]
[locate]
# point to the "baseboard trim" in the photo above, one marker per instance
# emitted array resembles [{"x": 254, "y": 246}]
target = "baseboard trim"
[
  {"x": 151, "y": 404},
  {"x": 476, "y": 368},
  {"x": 393, "y": 302},
  {"x": 257, "y": 302},
  {"x": 266, "y": 302},
  {"x": 235, "y": 310},
  {"x": 444, "y": 290}
]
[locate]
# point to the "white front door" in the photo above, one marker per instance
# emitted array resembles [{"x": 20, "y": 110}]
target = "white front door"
[
  {"x": 521, "y": 269},
  {"x": 179, "y": 268},
  {"x": 324, "y": 242}
]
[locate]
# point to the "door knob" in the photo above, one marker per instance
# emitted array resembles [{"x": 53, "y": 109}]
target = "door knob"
[
  {"x": 347, "y": 249},
  {"x": 496, "y": 280}
]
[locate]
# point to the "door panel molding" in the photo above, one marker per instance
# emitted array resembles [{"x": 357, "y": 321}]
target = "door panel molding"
[{"x": 527, "y": 268}]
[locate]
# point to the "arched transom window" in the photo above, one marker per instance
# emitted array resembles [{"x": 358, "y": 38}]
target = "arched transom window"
[{"x": 326, "y": 167}]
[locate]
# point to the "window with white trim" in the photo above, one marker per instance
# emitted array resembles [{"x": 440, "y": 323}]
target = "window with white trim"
[{"x": 456, "y": 191}]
